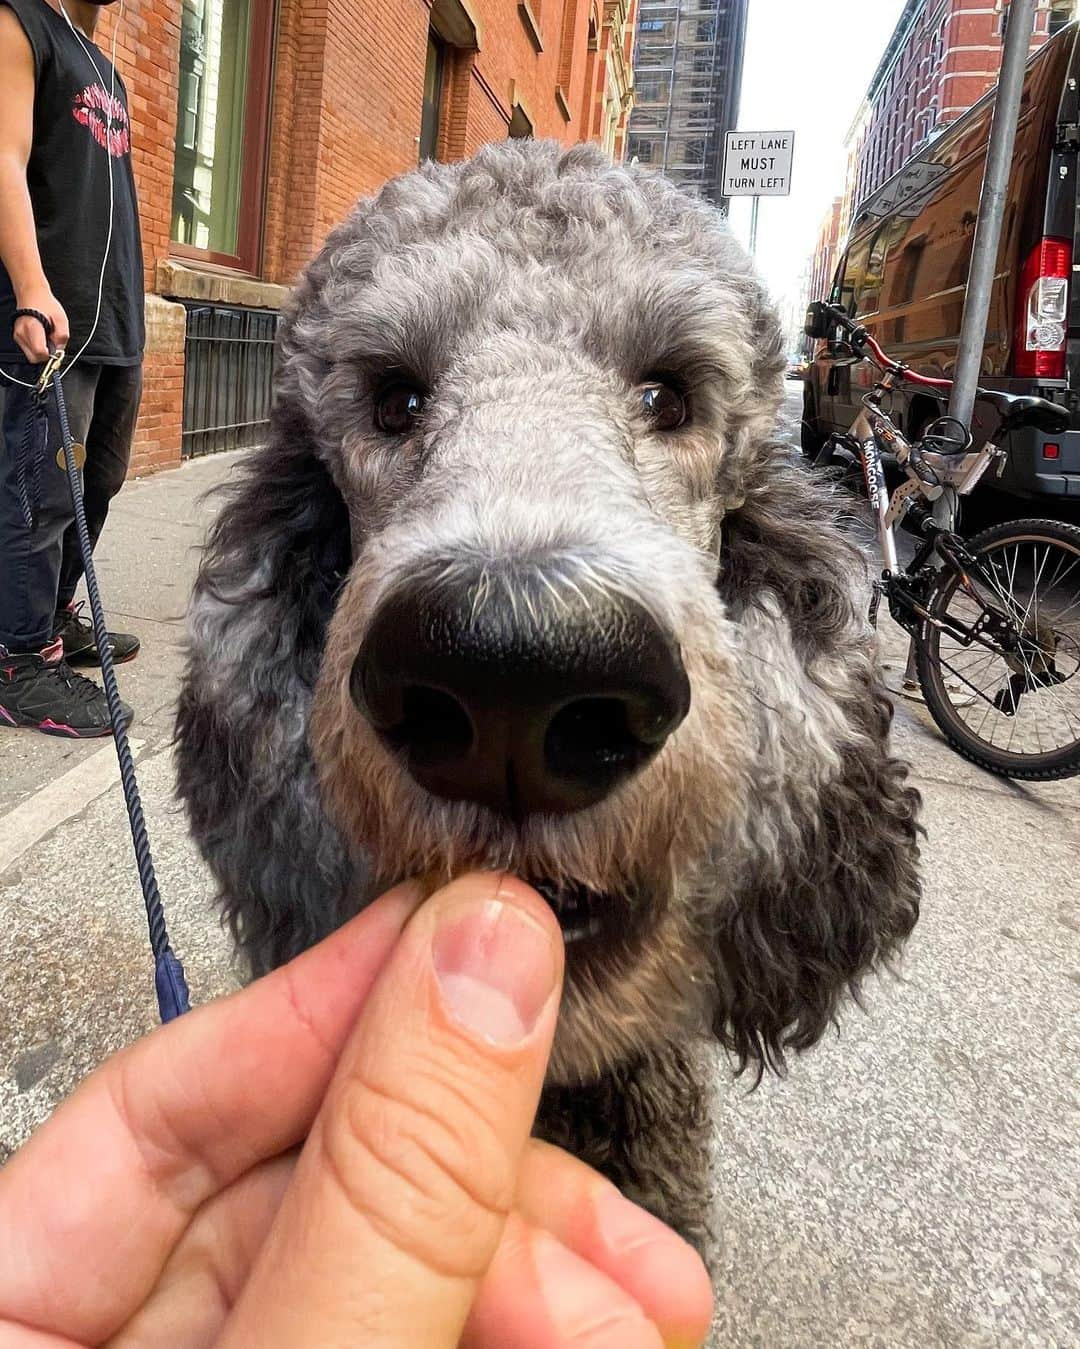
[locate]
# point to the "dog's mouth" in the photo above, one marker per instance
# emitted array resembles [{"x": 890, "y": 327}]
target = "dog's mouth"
[
  {"x": 581, "y": 912},
  {"x": 592, "y": 922}
]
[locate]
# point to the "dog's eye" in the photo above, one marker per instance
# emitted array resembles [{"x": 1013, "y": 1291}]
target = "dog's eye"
[
  {"x": 663, "y": 404},
  {"x": 397, "y": 407}
]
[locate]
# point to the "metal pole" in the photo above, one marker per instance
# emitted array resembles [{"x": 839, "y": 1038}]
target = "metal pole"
[
  {"x": 753, "y": 226},
  {"x": 984, "y": 250},
  {"x": 991, "y": 210}
]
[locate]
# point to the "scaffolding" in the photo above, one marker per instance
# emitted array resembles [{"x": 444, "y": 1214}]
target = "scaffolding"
[{"x": 687, "y": 77}]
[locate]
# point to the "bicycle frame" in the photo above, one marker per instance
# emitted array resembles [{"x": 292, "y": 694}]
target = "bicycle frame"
[
  {"x": 870, "y": 427},
  {"x": 940, "y": 459},
  {"x": 874, "y": 433}
]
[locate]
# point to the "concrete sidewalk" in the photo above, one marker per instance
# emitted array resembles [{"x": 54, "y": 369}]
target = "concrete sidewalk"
[
  {"x": 914, "y": 1182},
  {"x": 76, "y": 976}
]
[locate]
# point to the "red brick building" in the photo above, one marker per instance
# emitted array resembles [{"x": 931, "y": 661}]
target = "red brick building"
[
  {"x": 257, "y": 124},
  {"x": 823, "y": 263},
  {"x": 942, "y": 57}
]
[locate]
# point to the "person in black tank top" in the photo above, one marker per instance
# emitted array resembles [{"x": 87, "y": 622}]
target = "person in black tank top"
[{"x": 65, "y": 158}]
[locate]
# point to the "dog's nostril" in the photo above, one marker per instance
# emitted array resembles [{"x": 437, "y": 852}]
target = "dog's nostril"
[
  {"x": 433, "y": 727},
  {"x": 591, "y": 736}
]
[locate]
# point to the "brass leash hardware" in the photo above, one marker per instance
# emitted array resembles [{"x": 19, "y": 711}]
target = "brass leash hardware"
[{"x": 51, "y": 366}]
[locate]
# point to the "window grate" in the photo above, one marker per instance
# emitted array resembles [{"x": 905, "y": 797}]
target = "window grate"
[{"x": 228, "y": 377}]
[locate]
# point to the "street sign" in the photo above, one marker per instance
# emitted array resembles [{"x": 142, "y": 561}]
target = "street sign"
[{"x": 758, "y": 163}]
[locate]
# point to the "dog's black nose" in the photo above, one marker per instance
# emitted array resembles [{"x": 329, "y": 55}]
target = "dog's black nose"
[{"x": 521, "y": 695}]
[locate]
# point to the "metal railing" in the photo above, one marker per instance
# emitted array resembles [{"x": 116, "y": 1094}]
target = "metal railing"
[{"x": 228, "y": 377}]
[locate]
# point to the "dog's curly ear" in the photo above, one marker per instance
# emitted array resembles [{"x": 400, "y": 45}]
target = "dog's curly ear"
[
  {"x": 274, "y": 563},
  {"x": 266, "y": 589},
  {"x": 840, "y": 894}
]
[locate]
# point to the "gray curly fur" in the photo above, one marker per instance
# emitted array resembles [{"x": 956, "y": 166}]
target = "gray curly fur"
[{"x": 766, "y": 859}]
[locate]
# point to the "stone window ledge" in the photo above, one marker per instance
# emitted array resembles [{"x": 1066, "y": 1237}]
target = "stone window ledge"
[
  {"x": 530, "y": 24},
  {"x": 180, "y": 281}
]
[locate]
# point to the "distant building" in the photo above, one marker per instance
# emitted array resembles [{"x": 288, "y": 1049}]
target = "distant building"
[
  {"x": 793, "y": 319},
  {"x": 942, "y": 57},
  {"x": 823, "y": 263},
  {"x": 687, "y": 79}
]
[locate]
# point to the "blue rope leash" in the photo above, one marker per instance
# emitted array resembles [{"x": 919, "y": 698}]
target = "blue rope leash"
[
  {"x": 31, "y": 451},
  {"x": 169, "y": 982}
]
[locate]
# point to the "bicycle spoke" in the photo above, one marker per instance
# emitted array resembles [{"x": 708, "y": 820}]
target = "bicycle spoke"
[{"x": 1024, "y": 579}]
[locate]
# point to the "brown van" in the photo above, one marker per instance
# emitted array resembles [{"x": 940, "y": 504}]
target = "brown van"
[{"x": 904, "y": 272}]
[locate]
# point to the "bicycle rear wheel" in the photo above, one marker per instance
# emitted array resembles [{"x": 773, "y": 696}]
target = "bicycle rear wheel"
[{"x": 1012, "y": 707}]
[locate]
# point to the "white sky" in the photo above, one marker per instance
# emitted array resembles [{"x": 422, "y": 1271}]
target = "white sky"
[{"x": 807, "y": 67}]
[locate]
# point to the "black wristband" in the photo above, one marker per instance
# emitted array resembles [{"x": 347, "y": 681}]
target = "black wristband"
[{"x": 45, "y": 322}]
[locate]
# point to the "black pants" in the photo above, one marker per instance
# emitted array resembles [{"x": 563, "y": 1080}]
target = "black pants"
[{"x": 40, "y": 567}]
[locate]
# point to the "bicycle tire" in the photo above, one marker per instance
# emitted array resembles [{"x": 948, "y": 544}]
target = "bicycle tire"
[
  {"x": 1062, "y": 762},
  {"x": 810, "y": 438}
]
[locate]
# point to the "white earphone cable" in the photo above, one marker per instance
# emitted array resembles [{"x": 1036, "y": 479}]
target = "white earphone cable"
[{"x": 112, "y": 214}]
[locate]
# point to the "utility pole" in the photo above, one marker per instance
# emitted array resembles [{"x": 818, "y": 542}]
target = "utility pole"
[
  {"x": 995, "y": 192},
  {"x": 984, "y": 252}
]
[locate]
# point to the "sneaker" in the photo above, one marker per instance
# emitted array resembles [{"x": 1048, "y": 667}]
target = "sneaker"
[
  {"x": 41, "y": 690},
  {"x": 76, "y": 631}
]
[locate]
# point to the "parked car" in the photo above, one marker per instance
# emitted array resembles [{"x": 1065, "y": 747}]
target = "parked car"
[{"x": 904, "y": 272}]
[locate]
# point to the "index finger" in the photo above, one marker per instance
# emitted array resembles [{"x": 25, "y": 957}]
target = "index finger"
[
  {"x": 111, "y": 1181},
  {"x": 30, "y": 336},
  {"x": 639, "y": 1253}
]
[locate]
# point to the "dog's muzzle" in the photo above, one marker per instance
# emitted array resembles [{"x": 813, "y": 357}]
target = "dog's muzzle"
[{"x": 515, "y": 693}]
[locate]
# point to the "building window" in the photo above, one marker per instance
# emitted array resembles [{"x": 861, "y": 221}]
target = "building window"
[
  {"x": 221, "y": 123},
  {"x": 650, "y": 119},
  {"x": 651, "y": 89},
  {"x": 645, "y": 150},
  {"x": 431, "y": 113},
  {"x": 693, "y": 152},
  {"x": 654, "y": 56},
  {"x": 1062, "y": 12}
]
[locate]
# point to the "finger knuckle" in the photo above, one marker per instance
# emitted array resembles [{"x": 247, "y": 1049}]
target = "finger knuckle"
[{"x": 434, "y": 1185}]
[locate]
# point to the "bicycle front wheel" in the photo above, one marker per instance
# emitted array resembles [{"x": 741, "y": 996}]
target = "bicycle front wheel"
[{"x": 1009, "y": 701}]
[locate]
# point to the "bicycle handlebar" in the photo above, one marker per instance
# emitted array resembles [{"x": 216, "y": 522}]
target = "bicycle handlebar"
[
  {"x": 862, "y": 341},
  {"x": 840, "y": 317}
]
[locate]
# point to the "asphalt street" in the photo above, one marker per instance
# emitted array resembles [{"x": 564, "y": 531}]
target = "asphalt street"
[{"x": 914, "y": 1181}]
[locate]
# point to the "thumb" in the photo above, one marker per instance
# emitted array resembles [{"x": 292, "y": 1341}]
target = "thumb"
[{"x": 401, "y": 1194}]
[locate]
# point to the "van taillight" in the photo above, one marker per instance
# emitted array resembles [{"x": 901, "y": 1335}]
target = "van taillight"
[{"x": 1042, "y": 309}]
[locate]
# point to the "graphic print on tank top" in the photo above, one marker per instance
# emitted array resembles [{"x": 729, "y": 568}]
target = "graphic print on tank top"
[{"x": 105, "y": 117}]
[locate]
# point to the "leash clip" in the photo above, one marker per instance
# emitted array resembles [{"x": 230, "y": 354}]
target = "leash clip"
[{"x": 51, "y": 366}]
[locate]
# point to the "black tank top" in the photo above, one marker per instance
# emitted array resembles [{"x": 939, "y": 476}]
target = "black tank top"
[{"x": 77, "y": 128}]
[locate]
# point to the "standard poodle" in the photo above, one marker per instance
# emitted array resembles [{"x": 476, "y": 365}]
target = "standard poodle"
[{"x": 525, "y": 578}]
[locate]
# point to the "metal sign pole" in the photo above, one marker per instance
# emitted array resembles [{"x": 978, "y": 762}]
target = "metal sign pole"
[
  {"x": 985, "y": 246},
  {"x": 753, "y": 226},
  {"x": 991, "y": 214}
]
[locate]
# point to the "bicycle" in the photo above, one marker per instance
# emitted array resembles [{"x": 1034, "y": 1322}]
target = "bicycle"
[{"x": 997, "y": 662}]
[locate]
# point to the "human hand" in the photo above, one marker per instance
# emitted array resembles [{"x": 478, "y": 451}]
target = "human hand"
[
  {"x": 30, "y": 336},
  {"x": 173, "y": 1200}
]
